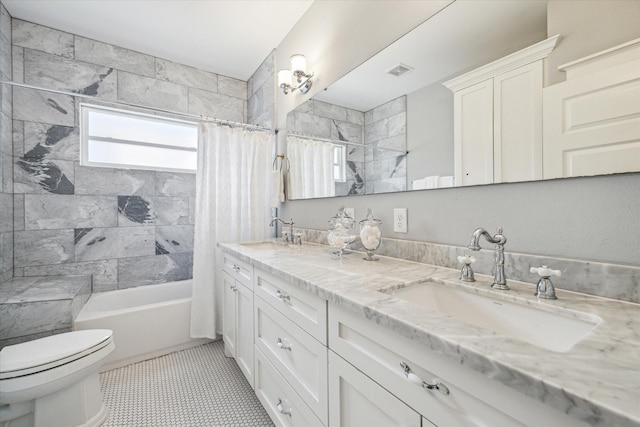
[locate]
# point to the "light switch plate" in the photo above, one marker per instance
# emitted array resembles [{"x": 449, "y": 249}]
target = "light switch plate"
[{"x": 400, "y": 220}]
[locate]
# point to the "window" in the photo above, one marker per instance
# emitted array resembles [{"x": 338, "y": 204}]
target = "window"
[
  {"x": 339, "y": 163},
  {"x": 124, "y": 139}
]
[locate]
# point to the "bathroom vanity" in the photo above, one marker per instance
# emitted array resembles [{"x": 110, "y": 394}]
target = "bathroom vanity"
[{"x": 344, "y": 342}]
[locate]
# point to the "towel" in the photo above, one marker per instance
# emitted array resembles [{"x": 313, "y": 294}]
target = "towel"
[
  {"x": 277, "y": 188},
  {"x": 418, "y": 184},
  {"x": 431, "y": 181},
  {"x": 445, "y": 181}
]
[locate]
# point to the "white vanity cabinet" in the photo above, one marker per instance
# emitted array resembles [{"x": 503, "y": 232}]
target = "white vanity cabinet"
[
  {"x": 498, "y": 118},
  {"x": 237, "y": 330},
  {"x": 290, "y": 339},
  {"x": 463, "y": 397}
]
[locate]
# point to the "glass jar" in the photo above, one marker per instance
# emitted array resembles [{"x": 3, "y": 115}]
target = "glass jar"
[
  {"x": 341, "y": 233},
  {"x": 370, "y": 235}
]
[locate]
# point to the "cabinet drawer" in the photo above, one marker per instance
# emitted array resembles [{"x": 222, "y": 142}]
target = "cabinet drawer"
[
  {"x": 300, "y": 358},
  {"x": 304, "y": 309},
  {"x": 239, "y": 270},
  {"x": 357, "y": 401},
  {"x": 473, "y": 399},
  {"x": 282, "y": 403}
]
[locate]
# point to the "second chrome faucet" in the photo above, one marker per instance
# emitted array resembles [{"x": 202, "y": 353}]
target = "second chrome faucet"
[{"x": 499, "y": 280}]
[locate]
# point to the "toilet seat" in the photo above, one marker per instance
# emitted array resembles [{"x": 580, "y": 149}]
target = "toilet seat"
[{"x": 50, "y": 352}]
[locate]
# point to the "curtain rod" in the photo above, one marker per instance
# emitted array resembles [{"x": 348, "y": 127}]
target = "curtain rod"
[
  {"x": 338, "y": 141},
  {"x": 127, "y": 104}
]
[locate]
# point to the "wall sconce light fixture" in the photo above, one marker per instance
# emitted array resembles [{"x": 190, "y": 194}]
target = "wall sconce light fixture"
[{"x": 297, "y": 77}]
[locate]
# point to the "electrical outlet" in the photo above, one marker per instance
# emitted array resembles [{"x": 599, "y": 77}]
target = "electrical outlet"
[
  {"x": 351, "y": 212},
  {"x": 400, "y": 220}
]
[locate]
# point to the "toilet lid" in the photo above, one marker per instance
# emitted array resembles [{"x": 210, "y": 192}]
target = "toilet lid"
[{"x": 45, "y": 351}]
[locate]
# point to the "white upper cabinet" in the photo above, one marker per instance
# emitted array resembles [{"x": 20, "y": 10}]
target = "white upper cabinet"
[{"x": 498, "y": 118}]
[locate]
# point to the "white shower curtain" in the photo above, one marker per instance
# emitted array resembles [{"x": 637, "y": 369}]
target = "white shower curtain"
[
  {"x": 311, "y": 173},
  {"x": 232, "y": 204}
]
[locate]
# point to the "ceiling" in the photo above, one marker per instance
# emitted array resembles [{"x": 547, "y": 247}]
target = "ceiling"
[{"x": 227, "y": 37}]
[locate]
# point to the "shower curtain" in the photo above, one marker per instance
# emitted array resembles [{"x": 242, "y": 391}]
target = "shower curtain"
[
  {"x": 232, "y": 204},
  {"x": 311, "y": 173}
]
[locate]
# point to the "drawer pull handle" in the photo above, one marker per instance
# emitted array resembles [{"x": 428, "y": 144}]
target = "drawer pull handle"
[
  {"x": 281, "y": 408},
  {"x": 234, "y": 288},
  {"x": 280, "y": 343},
  {"x": 236, "y": 267},
  {"x": 436, "y": 384},
  {"x": 282, "y": 296}
]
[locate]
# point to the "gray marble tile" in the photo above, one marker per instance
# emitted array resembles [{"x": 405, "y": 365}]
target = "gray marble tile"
[
  {"x": 6, "y": 133},
  {"x": 138, "y": 210},
  {"x": 18, "y": 212},
  {"x": 330, "y": 111},
  {"x": 35, "y": 175},
  {"x": 6, "y": 212},
  {"x": 265, "y": 74},
  {"x": 18, "y": 138},
  {"x": 103, "y": 272},
  {"x": 387, "y": 185},
  {"x": 215, "y": 105},
  {"x": 6, "y": 252},
  {"x": 175, "y": 184},
  {"x": 6, "y": 100},
  {"x": 108, "y": 55},
  {"x": 312, "y": 125},
  {"x": 34, "y": 289},
  {"x": 343, "y": 131},
  {"x": 141, "y": 271},
  {"x": 146, "y": 91},
  {"x": 5, "y": 22},
  {"x": 45, "y": 39},
  {"x": 51, "y": 71},
  {"x": 232, "y": 87},
  {"x": 354, "y": 116},
  {"x": 185, "y": 75},
  {"x": 192, "y": 210},
  {"x": 261, "y": 107},
  {"x": 397, "y": 125},
  {"x": 119, "y": 242},
  {"x": 17, "y": 64},
  {"x": 172, "y": 239},
  {"x": 397, "y": 142},
  {"x": 21, "y": 319},
  {"x": 43, "y": 247},
  {"x": 5, "y": 57},
  {"x": 41, "y": 176},
  {"x": 386, "y": 110},
  {"x": 69, "y": 211},
  {"x": 44, "y": 107},
  {"x": 6, "y": 173},
  {"x": 55, "y": 141},
  {"x": 107, "y": 181},
  {"x": 25, "y": 338}
]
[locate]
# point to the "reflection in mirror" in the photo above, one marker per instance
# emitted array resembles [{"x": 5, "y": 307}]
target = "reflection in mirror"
[{"x": 392, "y": 114}]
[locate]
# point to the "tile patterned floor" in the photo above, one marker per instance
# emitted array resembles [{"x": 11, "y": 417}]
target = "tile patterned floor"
[{"x": 195, "y": 387}]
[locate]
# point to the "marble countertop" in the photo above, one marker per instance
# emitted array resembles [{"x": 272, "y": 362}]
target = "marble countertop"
[{"x": 597, "y": 380}]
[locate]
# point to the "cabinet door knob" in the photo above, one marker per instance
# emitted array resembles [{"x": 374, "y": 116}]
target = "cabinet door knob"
[
  {"x": 282, "y": 296},
  {"x": 434, "y": 385},
  {"x": 281, "y": 344},
  {"x": 281, "y": 408},
  {"x": 234, "y": 288}
]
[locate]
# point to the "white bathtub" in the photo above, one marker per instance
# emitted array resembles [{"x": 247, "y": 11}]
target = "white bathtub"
[{"x": 147, "y": 321}]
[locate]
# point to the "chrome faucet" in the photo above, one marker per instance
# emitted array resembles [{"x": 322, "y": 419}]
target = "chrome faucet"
[
  {"x": 499, "y": 281},
  {"x": 288, "y": 237}
]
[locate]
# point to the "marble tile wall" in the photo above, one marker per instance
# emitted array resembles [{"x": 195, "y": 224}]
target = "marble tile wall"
[
  {"x": 621, "y": 282},
  {"x": 328, "y": 121},
  {"x": 6, "y": 149},
  {"x": 371, "y": 169},
  {"x": 125, "y": 227},
  {"x": 261, "y": 93}
]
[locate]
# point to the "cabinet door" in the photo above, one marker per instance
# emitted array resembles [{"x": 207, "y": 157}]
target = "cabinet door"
[
  {"x": 473, "y": 134},
  {"x": 517, "y": 124},
  {"x": 229, "y": 314},
  {"x": 244, "y": 331},
  {"x": 355, "y": 400}
]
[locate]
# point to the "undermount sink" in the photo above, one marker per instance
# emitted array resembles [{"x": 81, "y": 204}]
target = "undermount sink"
[{"x": 550, "y": 330}]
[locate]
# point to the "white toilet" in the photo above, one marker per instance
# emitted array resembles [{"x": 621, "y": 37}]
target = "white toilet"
[{"x": 54, "y": 381}]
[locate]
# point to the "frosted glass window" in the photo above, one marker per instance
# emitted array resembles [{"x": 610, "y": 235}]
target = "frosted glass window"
[
  {"x": 339, "y": 163},
  {"x": 123, "y": 139}
]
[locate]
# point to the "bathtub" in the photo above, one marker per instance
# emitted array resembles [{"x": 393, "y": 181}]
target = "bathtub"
[{"x": 147, "y": 321}]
